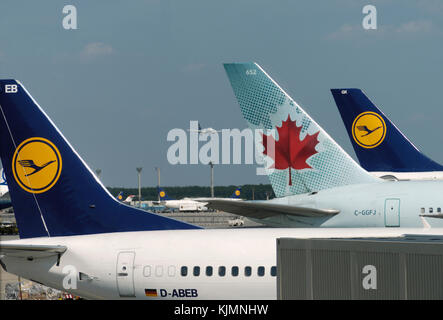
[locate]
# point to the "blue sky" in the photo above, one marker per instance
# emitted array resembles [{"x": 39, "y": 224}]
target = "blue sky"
[{"x": 134, "y": 70}]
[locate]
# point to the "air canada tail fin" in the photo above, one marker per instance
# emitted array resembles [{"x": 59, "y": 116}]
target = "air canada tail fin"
[
  {"x": 303, "y": 157},
  {"x": 378, "y": 143},
  {"x": 53, "y": 191},
  {"x": 236, "y": 194}
]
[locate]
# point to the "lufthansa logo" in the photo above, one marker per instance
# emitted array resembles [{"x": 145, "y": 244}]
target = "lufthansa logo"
[
  {"x": 237, "y": 192},
  {"x": 162, "y": 194},
  {"x": 36, "y": 165},
  {"x": 368, "y": 130}
]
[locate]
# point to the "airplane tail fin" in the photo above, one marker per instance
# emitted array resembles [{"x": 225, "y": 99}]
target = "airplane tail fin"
[
  {"x": 378, "y": 143},
  {"x": 236, "y": 194},
  {"x": 53, "y": 191},
  {"x": 303, "y": 157},
  {"x": 162, "y": 194},
  {"x": 120, "y": 196}
]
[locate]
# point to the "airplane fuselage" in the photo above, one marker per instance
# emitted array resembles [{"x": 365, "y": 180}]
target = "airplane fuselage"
[
  {"x": 184, "y": 205},
  {"x": 152, "y": 264},
  {"x": 382, "y": 204}
]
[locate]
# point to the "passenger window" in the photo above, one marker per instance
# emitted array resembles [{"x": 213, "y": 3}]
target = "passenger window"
[
  {"x": 171, "y": 271},
  {"x": 438, "y": 210},
  {"x": 221, "y": 271},
  {"x": 248, "y": 271},
  {"x": 234, "y": 271},
  {"x": 147, "y": 271},
  {"x": 209, "y": 271},
  {"x": 184, "y": 271},
  {"x": 431, "y": 210},
  {"x": 158, "y": 271},
  {"x": 273, "y": 271},
  {"x": 261, "y": 271},
  {"x": 422, "y": 210},
  {"x": 196, "y": 271}
]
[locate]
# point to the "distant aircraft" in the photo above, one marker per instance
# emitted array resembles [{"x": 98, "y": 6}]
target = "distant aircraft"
[
  {"x": 4, "y": 203},
  {"x": 185, "y": 204},
  {"x": 317, "y": 184},
  {"x": 190, "y": 204},
  {"x": 128, "y": 199},
  {"x": 81, "y": 240},
  {"x": 3, "y": 185},
  {"x": 380, "y": 146},
  {"x": 205, "y": 130}
]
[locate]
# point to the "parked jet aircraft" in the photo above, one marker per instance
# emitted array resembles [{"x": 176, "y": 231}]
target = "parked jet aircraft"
[
  {"x": 315, "y": 181},
  {"x": 128, "y": 198},
  {"x": 5, "y": 202},
  {"x": 76, "y": 237},
  {"x": 185, "y": 204},
  {"x": 379, "y": 145},
  {"x": 189, "y": 204}
]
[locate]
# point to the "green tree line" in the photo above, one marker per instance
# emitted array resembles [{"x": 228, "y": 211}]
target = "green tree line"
[{"x": 248, "y": 192}]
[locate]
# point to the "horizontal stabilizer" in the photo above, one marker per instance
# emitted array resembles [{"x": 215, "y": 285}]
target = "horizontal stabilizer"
[
  {"x": 27, "y": 250},
  {"x": 261, "y": 210}
]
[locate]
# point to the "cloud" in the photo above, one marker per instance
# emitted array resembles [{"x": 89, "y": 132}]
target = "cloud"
[
  {"x": 96, "y": 49},
  {"x": 344, "y": 32},
  {"x": 422, "y": 26},
  {"x": 411, "y": 28}
]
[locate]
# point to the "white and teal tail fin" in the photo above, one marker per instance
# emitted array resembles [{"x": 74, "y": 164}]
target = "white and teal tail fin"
[{"x": 301, "y": 156}]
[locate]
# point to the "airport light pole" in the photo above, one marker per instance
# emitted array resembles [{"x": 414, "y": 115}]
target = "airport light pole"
[
  {"x": 139, "y": 171},
  {"x": 158, "y": 182},
  {"x": 212, "y": 179}
]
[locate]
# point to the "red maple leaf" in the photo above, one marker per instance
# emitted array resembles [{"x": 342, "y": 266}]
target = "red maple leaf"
[{"x": 289, "y": 151}]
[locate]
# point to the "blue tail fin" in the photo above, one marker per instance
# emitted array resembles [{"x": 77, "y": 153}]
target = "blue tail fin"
[
  {"x": 162, "y": 194},
  {"x": 236, "y": 194},
  {"x": 120, "y": 196},
  {"x": 378, "y": 143},
  {"x": 53, "y": 191}
]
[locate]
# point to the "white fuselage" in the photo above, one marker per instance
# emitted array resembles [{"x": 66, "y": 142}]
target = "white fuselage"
[
  {"x": 426, "y": 175},
  {"x": 185, "y": 205},
  {"x": 149, "y": 264}
]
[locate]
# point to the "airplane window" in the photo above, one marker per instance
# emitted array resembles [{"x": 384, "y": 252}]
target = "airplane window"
[
  {"x": 261, "y": 271},
  {"x": 184, "y": 271},
  {"x": 147, "y": 271},
  {"x": 431, "y": 210},
  {"x": 171, "y": 271},
  {"x": 196, "y": 271},
  {"x": 273, "y": 271},
  {"x": 221, "y": 271},
  {"x": 158, "y": 271},
  {"x": 209, "y": 271},
  {"x": 248, "y": 271},
  {"x": 234, "y": 271},
  {"x": 438, "y": 210},
  {"x": 422, "y": 210}
]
